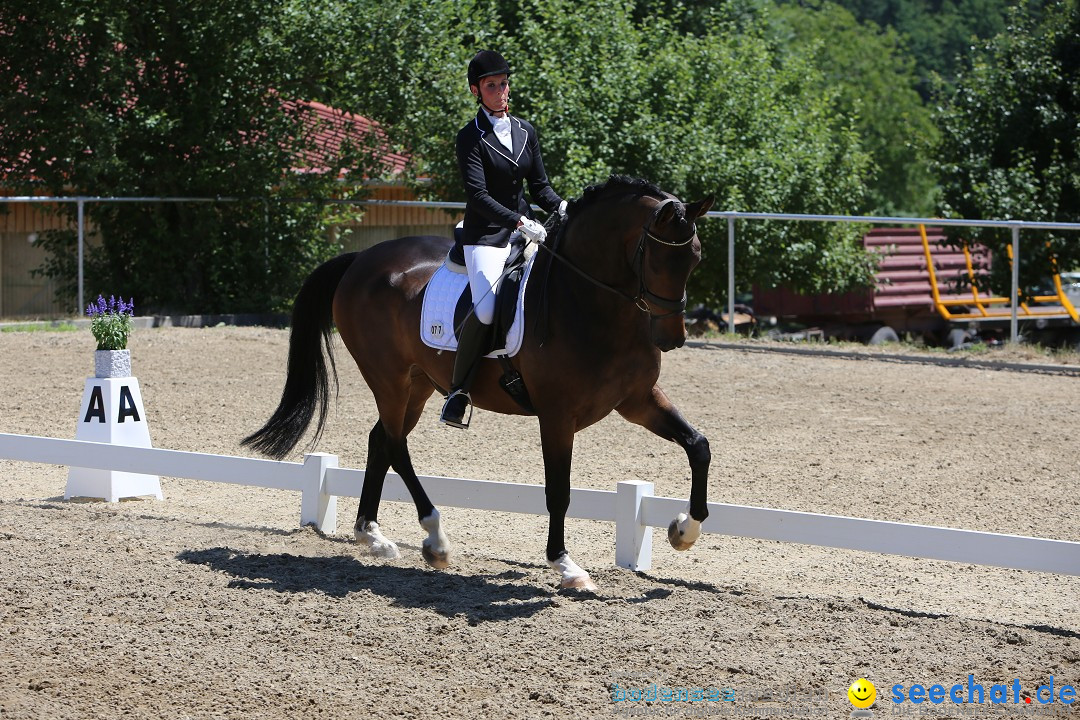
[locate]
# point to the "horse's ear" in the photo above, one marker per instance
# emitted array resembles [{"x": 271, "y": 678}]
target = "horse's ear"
[
  {"x": 666, "y": 213},
  {"x": 696, "y": 210}
]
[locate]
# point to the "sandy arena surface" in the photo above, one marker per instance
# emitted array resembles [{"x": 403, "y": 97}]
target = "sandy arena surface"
[{"x": 214, "y": 603}]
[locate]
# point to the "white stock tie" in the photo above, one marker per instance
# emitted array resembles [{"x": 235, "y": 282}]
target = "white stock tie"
[{"x": 501, "y": 126}]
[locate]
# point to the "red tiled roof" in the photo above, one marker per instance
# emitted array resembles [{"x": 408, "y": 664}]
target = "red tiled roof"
[{"x": 330, "y": 128}]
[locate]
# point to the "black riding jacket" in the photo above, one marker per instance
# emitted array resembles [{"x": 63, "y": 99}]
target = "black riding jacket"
[{"x": 495, "y": 177}]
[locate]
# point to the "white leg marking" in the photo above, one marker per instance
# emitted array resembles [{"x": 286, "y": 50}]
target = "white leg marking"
[
  {"x": 572, "y": 575},
  {"x": 370, "y": 536},
  {"x": 436, "y": 548},
  {"x": 683, "y": 532}
]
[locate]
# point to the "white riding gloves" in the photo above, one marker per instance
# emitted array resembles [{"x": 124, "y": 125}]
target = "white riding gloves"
[
  {"x": 532, "y": 230},
  {"x": 562, "y": 209}
]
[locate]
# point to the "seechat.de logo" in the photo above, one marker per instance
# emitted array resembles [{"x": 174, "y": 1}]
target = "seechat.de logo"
[{"x": 862, "y": 695}]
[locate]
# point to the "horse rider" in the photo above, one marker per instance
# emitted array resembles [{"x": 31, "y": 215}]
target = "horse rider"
[{"x": 498, "y": 154}]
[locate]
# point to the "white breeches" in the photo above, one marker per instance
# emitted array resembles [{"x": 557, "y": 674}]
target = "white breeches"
[{"x": 485, "y": 265}]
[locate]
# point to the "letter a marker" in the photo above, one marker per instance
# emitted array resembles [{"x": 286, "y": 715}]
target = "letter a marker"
[{"x": 112, "y": 412}]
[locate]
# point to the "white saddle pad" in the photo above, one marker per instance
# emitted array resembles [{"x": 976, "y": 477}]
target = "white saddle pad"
[{"x": 441, "y": 299}]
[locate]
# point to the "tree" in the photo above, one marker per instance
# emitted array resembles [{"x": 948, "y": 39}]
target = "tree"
[
  {"x": 764, "y": 136},
  {"x": 115, "y": 99},
  {"x": 161, "y": 102},
  {"x": 402, "y": 63},
  {"x": 876, "y": 86},
  {"x": 1011, "y": 140},
  {"x": 714, "y": 111},
  {"x": 938, "y": 34}
]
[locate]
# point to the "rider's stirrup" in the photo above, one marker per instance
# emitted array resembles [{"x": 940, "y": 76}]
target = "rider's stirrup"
[{"x": 453, "y": 412}]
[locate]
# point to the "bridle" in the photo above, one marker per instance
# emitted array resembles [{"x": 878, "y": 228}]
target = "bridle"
[{"x": 645, "y": 299}]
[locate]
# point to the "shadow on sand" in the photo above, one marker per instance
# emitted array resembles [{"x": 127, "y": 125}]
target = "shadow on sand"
[{"x": 480, "y": 598}]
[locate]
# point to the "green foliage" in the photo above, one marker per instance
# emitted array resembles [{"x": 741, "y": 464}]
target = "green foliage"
[
  {"x": 939, "y": 35},
  {"x": 875, "y": 85},
  {"x": 764, "y": 137},
  {"x": 1011, "y": 148},
  {"x": 402, "y": 63},
  {"x": 168, "y": 100},
  {"x": 61, "y": 260},
  {"x": 701, "y": 99},
  {"x": 613, "y": 90}
]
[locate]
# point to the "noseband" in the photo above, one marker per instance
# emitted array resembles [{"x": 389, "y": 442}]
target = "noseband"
[{"x": 645, "y": 298}]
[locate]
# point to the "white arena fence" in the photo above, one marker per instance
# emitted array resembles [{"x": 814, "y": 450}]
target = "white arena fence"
[{"x": 632, "y": 507}]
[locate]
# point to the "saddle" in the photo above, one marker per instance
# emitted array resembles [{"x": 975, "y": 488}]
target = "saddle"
[{"x": 448, "y": 301}]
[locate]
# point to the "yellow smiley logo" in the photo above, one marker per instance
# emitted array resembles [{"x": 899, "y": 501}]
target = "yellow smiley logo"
[{"x": 862, "y": 693}]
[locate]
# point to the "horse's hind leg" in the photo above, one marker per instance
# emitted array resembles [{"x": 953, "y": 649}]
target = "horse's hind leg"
[
  {"x": 436, "y": 546},
  {"x": 656, "y": 413},
  {"x": 395, "y": 453},
  {"x": 367, "y": 530}
]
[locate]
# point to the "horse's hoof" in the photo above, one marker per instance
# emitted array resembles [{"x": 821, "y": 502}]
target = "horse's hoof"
[
  {"x": 437, "y": 560},
  {"x": 376, "y": 543},
  {"x": 385, "y": 550},
  {"x": 579, "y": 582},
  {"x": 679, "y": 535},
  {"x": 573, "y": 577}
]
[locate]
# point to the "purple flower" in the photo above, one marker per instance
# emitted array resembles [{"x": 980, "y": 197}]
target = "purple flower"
[
  {"x": 112, "y": 306},
  {"x": 111, "y": 321}
]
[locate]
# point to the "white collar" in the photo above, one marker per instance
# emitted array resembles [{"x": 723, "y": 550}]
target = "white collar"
[
  {"x": 497, "y": 121},
  {"x": 501, "y": 127}
]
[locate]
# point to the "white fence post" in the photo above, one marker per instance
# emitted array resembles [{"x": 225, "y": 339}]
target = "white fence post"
[
  {"x": 633, "y": 539},
  {"x": 316, "y": 506}
]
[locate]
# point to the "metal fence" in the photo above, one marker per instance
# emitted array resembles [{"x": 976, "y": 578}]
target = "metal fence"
[{"x": 1014, "y": 226}]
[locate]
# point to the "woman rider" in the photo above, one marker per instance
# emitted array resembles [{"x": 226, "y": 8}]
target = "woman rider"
[{"x": 498, "y": 155}]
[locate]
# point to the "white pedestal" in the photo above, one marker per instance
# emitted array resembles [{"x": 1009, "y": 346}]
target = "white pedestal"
[{"x": 112, "y": 412}]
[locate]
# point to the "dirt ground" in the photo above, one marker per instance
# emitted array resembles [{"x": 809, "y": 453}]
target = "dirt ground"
[{"x": 213, "y": 603}]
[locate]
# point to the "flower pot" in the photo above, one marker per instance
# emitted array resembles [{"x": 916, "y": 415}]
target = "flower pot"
[{"x": 112, "y": 363}]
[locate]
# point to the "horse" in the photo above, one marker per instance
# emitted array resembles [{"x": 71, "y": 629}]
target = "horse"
[{"x": 611, "y": 299}]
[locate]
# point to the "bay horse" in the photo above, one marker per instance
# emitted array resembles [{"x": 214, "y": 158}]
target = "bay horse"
[{"x": 613, "y": 295}]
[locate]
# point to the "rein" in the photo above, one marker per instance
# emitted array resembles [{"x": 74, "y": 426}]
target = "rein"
[{"x": 645, "y": 298}]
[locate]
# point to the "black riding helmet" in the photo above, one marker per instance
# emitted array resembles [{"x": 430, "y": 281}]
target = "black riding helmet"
[{"x": 486, "y": 63}]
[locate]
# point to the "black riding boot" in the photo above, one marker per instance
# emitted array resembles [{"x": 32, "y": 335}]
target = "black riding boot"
[{"x": 471, "y": 345}]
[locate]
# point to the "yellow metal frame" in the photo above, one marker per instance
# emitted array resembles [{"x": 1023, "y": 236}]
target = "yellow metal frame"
[{"x": 989, "y": 313}]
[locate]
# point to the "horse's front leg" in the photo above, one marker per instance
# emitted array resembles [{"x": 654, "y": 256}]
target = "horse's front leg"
[
  {"x": 656, "y": 413},
  {"x": 558, "y": 446}
]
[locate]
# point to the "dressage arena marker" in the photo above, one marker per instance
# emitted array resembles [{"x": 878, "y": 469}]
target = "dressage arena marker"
[
  {"x": 112, "y": 412},
  {"x": 632, "y": 507}
]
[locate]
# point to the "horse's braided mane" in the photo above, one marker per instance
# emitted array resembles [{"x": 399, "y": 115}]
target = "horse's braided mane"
[
  {"x": 613, "y": 185},
  {"x": 617, "y": 184}
]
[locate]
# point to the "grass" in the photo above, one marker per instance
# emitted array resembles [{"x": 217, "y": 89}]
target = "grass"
[
  {"x": 62, "y": 326},
  {"x": 1022, "y": 353}
]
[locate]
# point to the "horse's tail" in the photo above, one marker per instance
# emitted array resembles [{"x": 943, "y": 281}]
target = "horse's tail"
[{"x": 307, "y": 382}]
